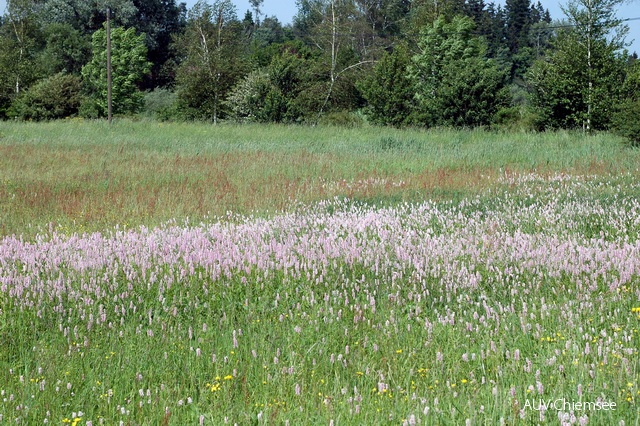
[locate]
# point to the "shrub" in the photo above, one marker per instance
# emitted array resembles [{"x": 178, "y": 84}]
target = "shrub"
[
  {"x": 626, "y": 120},
  {"x": 516, "y": 119},
  {"x": 89, "y": 108},
  {"x": 160, "y": 104},
  {"x": 252, "y": 99},
  {"x": 342, "y": 119},
  {"x": 58, "y": 96}
]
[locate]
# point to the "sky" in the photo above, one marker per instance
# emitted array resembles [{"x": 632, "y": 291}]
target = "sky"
[{"x": 284, "y": 10}]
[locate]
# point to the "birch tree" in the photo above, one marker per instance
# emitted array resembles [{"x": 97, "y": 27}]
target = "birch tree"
[
  {"x": 598, "y": 31},
  {"x": 579, "y": 82},
  {"x": 23, "y": 40},
  {"x": 211, "y": 54},
  {"x": 331, "y": 27}
]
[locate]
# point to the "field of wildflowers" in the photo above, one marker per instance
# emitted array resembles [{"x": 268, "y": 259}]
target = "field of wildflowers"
[{"x": 519, "y": 305}]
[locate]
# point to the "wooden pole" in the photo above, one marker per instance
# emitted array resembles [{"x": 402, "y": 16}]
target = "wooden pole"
[{"x": 109, "y": 79}]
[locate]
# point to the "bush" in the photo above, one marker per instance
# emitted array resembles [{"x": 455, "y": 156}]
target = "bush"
[
  {"x": 160, "y": 104},
  {"x": 58, "y": 96},
  {"x": 251, "y": 99},
  {"x": 626, "y": 120},
  {"x": 89, "y": 109},
  {"x": 516, "y": 119},
  {"x": 342, "y": 119}
]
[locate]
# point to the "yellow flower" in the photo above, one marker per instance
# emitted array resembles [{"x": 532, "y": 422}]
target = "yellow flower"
[
  {"x": 228, "y": 377},
  {"x": 76, "y": 421},
  {"x": 463, "y": 381},
  {"x": 399, "y": 351},
  {"x": 213, "y": 387}
]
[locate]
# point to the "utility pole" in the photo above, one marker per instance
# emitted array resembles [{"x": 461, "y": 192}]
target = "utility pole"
[{"x": 109, "y": 79}]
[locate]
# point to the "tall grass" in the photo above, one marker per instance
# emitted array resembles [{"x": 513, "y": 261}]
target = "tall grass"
[{"x": 89, "y": 176}]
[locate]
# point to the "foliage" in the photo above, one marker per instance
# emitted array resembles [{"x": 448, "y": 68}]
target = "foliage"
[
  {"x": 338, "y": 29},
  {"x": 7, "y": 79},
  {"x": 560, "y": 93},
  {"x": 268, "y": 41},
  {"x": 631, "y": 87},
  {"x": 455, "y": 84},
  {"x": 21, "y": 40},
  {"x": 343, "y": 119},
  {"x": 160, "y": 21},
  {"x": 384, "y": 17},
  {"x": 389, "y": 91},
  {"x": 67, "y": 49},
  {"x": 339, "y": 57},
  {"x": 58, "y": 96},
  {"x": 581, "y": 79},
  {"x": 283, "y": 91},
  {"x": 161, "y": 104},
  {"x": 626, "y": 120},
  {"x": 515, "y": 119},
  {"x": 129, "y": 66},
  {"x": 517, "y": 12},
  {"x": 255, "y": 98},
  {"x": 88, "y": 16},
  {"x": 471, "y": 93},
  {"x": 211, "y": 59},
  {"x": 426, "y": 12}
]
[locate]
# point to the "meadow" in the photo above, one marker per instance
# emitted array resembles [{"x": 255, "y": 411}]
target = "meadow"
[{"x": 190, "y": 274}]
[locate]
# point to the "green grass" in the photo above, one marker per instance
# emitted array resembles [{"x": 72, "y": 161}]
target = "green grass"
[{"x": 80, "y": 175}]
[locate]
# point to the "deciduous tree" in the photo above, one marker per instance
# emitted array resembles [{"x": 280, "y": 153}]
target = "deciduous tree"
[
  {"x": 211, "y": 47},
  {"x": 580, "y": 80},
  {"x": 600, "y": 34},
  {"x": 67, "y": 49},
  {"x": 332, "y": 27},
  {"x": 129, "y": 65}
]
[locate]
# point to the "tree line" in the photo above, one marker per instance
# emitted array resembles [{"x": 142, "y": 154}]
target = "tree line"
[{"x": 458, "y": 63}]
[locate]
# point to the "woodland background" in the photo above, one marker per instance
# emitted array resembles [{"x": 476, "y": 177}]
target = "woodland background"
[{"x": 454, "y": 63}]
